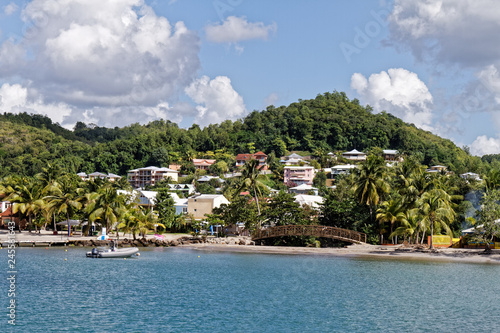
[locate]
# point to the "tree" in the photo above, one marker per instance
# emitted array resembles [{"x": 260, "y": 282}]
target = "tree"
[
  {"x": 107, "y": 207},
  {"x": 391, "y": 212},
  {"x": 239, "y": 210},
  {"x": 370, "y": 184},
  {"x": 165, "y": 208},
  {"x": 66, "y": 199},
  {"x": 488, "y": 217},
  {"x": 283, "y": 210},
  {"x": 435, "y": 208},
  {"x": 249, "y": 174},
  {"x": 28, "y": 197}
]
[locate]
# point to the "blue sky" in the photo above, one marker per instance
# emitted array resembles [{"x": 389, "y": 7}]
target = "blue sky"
[{"x": 114, "y": 63}]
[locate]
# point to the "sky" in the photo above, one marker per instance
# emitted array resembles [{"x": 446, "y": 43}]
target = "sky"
[{"x": 433, "y": 63}]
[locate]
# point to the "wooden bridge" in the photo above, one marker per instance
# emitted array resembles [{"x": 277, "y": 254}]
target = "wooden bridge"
[{"x": 311, "y": 230}]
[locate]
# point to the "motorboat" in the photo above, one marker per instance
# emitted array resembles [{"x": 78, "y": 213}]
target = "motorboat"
[{"x": 113, "y": 252}]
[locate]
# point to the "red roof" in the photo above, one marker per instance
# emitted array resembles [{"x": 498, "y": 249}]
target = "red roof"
[{"x": 8, "y": 212}]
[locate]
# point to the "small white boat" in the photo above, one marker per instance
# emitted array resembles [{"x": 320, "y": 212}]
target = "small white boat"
[{"x": 113, "y": 252}]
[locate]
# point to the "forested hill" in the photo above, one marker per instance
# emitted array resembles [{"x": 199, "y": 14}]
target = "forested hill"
[{"x": 329, "y": 122}]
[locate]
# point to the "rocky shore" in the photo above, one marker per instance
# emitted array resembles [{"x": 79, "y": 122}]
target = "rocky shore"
[{"x": 152, "y": 242}]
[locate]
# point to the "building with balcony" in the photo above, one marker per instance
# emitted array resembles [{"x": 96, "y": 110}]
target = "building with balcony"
[
  {"x": 242, "y": 159},
  {"x": 298, "y": 175},
  {"x": 150, "y": 176}
]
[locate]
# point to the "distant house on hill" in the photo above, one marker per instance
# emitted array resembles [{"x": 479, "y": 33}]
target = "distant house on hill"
[
  {"x": 202, "y": 164},
  {"x": 354, "y": 155},
  {"x": 342, "y": 169},
  {"x": 149, "y": 176},
  {"x": 436, "y": 169},
  {"x": 303, "y": 189},
  {"x": 470, "y": 175},
  {"x": 293, "y": 159},
  {"x": 242, "y": 159},
  {"x": 298, "y": 175},
  {"x": 392, "y": 155},
  {"x": 98, "y": 175}
]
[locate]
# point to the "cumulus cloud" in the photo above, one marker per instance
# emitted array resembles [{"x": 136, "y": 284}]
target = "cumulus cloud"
[
  {"x": 16, "y": 99},
  {"x": 448, "y": 31},
  {"x": 108, "y": 58},
  {"x": 484, "y": 146},
  {"x": 397, "y": 91},
  {"x": 10, "y": 9},
  {"x": 236, "y": 29},
  {"x": 216, "y": 99}
]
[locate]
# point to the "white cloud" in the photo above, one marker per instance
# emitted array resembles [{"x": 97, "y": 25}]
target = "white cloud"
[
  {"x": 10, "y": 9},
  {"x": 16, "y": 99},
  {"x": 448, "y": 31},
  {"x": 397, "y": 91},
  {"x": 116, "y": 56},
  {"x": 484, "y": 146},
  {"x": 217, "y": 100},
  {"x": 236, "y": 29}
]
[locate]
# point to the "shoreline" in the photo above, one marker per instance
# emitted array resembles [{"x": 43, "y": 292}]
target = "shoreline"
[
  {"x": 364, "y": 251},
  {"x": 361, "y": 251}
]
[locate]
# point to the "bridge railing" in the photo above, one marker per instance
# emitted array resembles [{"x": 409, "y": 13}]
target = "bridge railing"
[{"x": 310, "y": 230}]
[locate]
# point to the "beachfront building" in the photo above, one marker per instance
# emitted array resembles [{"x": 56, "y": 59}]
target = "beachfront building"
[
  {"x": 202, "y": 164},
  {"x": 298, "y": 175},
  {"x": 354, "y": 155},
  {"x": 200, "y": 205},
  {"x": 242, "y": 159},
  {"x": 149, "y": 176},
  {"x": 147, "y": 199}
]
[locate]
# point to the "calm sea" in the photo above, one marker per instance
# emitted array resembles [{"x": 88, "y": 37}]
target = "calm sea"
[{"x": 183, "y": 290}]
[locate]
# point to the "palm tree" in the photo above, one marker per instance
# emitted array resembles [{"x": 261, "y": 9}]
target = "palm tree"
[
  {"x": 107, "y": 206},
  {"x": 435, "y": 207},
  {"x": 48, "y": 179},
  {"x": 28, "y": 198},
  {"x": 492, "y": 180},
  {"x": 371, "y": 184},
  {"x": 249, "y": 174},
  {"x": 66, "y": 199},
  {"x": 391, "y": 212}
]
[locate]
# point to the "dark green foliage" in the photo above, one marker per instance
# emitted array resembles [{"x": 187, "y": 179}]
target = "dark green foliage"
[
  {"x": 329, "y": 122},
  {"x": 283, "y": 210},
  {"x": 165, "y": 207},
  {"x": 347, "y": 213}
]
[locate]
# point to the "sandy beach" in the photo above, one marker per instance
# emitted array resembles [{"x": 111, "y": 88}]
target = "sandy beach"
[{"x": 398, "y": 252}]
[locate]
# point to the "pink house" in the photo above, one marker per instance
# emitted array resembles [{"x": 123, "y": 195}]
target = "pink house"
[{"x": 299, "y": 175}]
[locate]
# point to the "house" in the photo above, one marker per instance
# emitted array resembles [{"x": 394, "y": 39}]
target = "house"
[
  {"x": 176, "y": 167},
  {"x": 298, "y": 175},
  {"x": 292, "y": 159},
  {"x": 470, "y": 175},
  {"x": 391, "y": 155},
  {"x": 342, "y": 169},
  {"x": 149, "y": 176},
  {"x": 303, "y": 189},
  {"x": 186, "y": 189},
  {"x": 202, "y": 164},
  {"x": 242, "y": 159},
  {"x": 148, "y": 199},
  {"x": 436, "y": 169},
  {"x": 313, "y": 201},
  {"x": 98, "y": 175},
  {"x": 354, "y": 155},
  {"x": 201, "y": 205},
  {"x": 7, "y": 216}
]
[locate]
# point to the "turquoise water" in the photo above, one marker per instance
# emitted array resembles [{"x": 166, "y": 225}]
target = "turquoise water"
[{"x": 182, "y": 290}]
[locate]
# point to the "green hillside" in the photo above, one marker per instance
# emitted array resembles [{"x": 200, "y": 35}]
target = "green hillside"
[{"x": 329, "y": 122}]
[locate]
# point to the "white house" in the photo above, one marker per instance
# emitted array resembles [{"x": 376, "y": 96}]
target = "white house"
[
  {"x": 342, "y": 169},
  {"x": 313, "y": 201},
  {"x": 354, "y": 155},
  {"x": 303, "y": 189}
]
